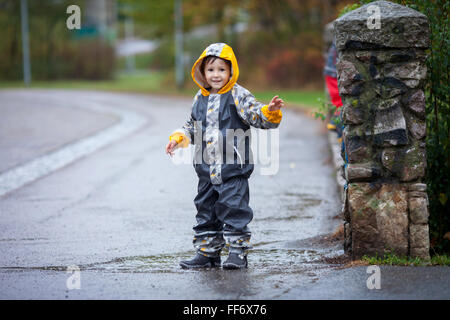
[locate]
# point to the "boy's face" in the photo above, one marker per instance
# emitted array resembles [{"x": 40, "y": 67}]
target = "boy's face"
[{"x": 217, "y": 74}]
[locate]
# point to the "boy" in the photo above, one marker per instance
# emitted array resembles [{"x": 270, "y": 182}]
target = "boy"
[{"x": 222, "y": 106}]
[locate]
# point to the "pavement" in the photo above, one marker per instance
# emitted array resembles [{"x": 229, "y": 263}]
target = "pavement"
[{"x": 92, "y": 208}]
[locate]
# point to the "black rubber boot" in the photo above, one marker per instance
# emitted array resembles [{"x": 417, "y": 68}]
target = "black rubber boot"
[
  {"x": 235, "y": 261},
  {"x": 200, "y": 261}
]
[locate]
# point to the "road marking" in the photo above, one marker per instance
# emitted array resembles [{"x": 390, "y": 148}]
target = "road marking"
[{"x": 44, "y": 165}]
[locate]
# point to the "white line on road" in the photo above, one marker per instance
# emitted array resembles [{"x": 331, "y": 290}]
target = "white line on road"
[{"x": 39, "y": 167}]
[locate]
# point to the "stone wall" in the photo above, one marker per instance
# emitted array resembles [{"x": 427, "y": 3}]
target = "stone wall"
[{"x": 381, "y": 73}]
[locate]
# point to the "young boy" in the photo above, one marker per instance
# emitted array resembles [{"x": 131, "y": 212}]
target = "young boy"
[{"x": 222, "y": 106}]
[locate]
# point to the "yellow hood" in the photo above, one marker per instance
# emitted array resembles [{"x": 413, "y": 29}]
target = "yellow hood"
[{"x": 220, "y": 50}]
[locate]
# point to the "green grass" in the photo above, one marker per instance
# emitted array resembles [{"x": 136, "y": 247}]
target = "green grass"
[
  {"x": 154, "y": 82},
  {"x": 141, "y": 62},
  {"x": 138, "y": 82},
  {"x": 301, "y": 98},
  {"x": 394, "y": 260}
]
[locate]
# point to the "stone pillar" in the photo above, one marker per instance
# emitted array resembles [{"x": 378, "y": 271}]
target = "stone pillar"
[{"x": 381, "y": 74}]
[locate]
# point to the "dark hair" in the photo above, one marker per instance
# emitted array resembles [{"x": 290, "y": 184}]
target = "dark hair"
[{"x": 210, "y": 59}]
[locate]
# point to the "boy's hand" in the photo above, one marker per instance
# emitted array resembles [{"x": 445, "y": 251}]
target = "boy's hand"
[
  {"x": 276, "y": 104},
  {"x": 170, "y": 147}
]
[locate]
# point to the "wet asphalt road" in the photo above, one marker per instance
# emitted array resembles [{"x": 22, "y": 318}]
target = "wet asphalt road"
[{"x": 123, "y": 212}]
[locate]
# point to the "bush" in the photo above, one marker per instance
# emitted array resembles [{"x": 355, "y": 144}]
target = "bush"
[
  {"x": 293, "y": 68},
  {"x": 54, "y": 54},
  {"x": 268, "y": 62},
  {"x": 92, "y": 60},
  {"x": 438, "y": 119}
]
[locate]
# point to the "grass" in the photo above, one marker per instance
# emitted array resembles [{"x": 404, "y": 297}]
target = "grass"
[
  {"x": 394, "y": 260},
  {"x": 155, "y": 82},
  {"x": 310, "y": 99},
  {"x": 137, "y": 82}
]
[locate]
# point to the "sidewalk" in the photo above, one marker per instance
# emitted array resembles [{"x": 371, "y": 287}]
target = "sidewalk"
[{"x": 396, "y": 283}]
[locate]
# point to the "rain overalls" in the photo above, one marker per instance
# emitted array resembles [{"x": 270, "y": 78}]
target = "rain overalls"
[{"x": 223, "y": 163}]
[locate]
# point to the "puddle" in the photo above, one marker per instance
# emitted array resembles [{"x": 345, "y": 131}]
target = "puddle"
[
  {"x": 263, "y": 243},
  {"x": 286, "y": 260},
  {"x": 267, "y": 261},
  {"x": 266, "y": 258}
]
